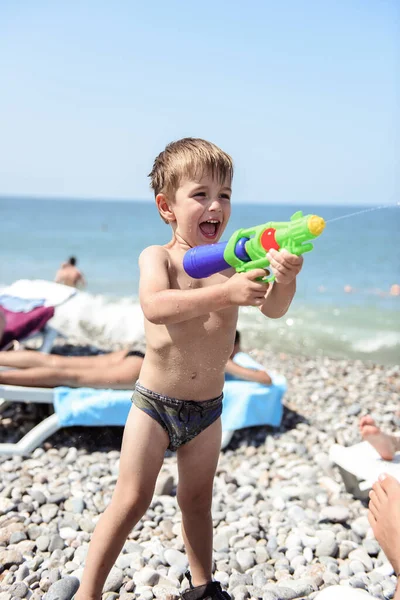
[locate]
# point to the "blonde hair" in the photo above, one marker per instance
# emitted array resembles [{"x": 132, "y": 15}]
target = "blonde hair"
[{"x": 188, "y": 158}]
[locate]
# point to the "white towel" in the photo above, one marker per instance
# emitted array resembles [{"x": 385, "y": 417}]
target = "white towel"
[
  {"x": 54, "y": 294},
  {"x": 363, "y": 461}
]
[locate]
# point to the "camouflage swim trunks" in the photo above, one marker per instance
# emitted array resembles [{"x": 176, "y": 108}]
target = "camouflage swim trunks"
[{"x": 183, "y": 420}]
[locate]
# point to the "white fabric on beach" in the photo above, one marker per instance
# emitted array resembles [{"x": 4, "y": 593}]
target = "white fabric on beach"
[
  {"x": 18, "y": 304},
  {"x": 52, "y": 293},
  {"x": 364, "y": 462}
]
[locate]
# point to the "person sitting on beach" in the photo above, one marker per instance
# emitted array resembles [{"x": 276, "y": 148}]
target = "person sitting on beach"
[
  {"x": 257, "y": 375},
  {"x": 116, "y": 370},
  {"x": 69, "y": 274},
  {"x": 385, "y": 444},
  {"x": 384, "y": 518},
  {"x": 190, "y": 328}
]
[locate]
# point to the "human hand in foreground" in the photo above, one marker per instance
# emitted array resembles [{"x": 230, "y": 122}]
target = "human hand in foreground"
[
  {"x": 244, "y": 290},
  {"x": 284, "y": 265}
]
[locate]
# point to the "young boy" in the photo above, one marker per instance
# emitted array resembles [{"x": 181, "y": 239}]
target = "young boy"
[{"x": 190, "y": 330}]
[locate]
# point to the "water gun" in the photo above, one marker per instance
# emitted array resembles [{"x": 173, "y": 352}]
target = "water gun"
[{"x": 247, "y": 249}]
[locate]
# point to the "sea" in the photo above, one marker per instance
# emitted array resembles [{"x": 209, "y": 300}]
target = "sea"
[{"x": 342, "y": 308}]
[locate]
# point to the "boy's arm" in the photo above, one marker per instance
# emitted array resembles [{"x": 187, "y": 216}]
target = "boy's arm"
[
  {"x": 285, "y": 266},
  {"x": 278, "y": 299},
  {"x": 161, "y": 304},
  {"x": 256, "y": 375}
]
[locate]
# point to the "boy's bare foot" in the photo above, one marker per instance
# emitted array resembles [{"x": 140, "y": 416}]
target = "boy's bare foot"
[
  {"x": 383, "y": 443},
  {"x": 384, "y": 517}
]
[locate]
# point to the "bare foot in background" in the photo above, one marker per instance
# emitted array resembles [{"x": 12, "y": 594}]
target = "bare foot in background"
[
  {"x": 386, "y": 445},
  {"x": 384, "y": 518}
]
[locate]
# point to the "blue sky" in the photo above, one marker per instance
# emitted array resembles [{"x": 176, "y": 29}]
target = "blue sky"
[{"x": 303, "y": 94}]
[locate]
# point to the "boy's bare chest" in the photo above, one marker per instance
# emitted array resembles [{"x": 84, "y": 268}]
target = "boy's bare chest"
[
  {"x": 219, "y": 321},
  {"x": 182, "y": 281}
]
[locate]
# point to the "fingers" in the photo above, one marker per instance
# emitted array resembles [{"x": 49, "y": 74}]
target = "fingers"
[
  {"x": 257, "y": 273},
  {"x": 290, "y": 260},
  {"x": 258, "y": 301},
  {"x": 283, "y": 261}
]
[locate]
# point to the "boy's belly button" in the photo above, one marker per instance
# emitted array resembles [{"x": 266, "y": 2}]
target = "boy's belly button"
[{"x": 193, "y": 375}]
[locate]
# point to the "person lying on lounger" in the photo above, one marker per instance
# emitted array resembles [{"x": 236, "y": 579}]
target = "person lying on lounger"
[
  {"x": 117, "y": 370},
  {"x": 259, "y": 376}
]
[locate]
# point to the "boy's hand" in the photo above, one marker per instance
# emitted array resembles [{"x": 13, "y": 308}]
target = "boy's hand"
[
  {"x": 284, "y": 265},
  {"x": 244, "y": 290}
]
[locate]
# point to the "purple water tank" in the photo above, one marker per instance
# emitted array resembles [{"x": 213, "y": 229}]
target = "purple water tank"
[{"x": 203, "y": 261}]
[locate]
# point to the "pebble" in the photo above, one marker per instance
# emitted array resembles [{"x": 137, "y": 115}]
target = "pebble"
[
  {"x": 284, "y": 526},
  {"x": 63, "y": 589}
]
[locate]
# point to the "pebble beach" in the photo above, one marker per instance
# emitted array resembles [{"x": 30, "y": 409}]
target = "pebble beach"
[{"x": 285, "y": 527}]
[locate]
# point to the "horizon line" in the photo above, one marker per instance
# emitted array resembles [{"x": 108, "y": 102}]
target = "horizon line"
[{"x": 148, "y": 200}]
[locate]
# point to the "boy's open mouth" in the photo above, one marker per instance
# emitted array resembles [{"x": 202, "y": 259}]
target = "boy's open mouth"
[{"x": 210, "y": 228}]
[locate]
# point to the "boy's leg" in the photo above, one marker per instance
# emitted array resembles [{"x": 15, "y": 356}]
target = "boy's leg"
[
  {"x": 197, "y": 463},
  {"x": 143, "y": 448}
]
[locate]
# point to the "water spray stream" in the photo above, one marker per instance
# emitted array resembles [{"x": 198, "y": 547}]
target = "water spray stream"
[{"x": 360, "y": 212}]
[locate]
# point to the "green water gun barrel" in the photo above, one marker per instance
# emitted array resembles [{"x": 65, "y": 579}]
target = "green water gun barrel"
[{"x": 247, "y": 248}]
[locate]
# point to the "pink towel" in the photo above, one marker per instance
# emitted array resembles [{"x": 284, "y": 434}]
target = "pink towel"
[{"x": 19, "y": 325}]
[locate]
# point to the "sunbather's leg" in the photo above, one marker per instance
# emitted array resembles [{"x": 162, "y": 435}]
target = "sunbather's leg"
[
  {"x": 24, "y": 359},
  {"x": 121, "y": 376},
  {"x": 384, "y": 518},
  {"x": 142, "y": 454},
  {"x": 386, "y": 445}
]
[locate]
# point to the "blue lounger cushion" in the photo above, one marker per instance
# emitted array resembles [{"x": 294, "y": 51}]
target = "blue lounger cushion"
[
  {"x": 245, "y": 403},
  {"x": 91, "y": 407}
]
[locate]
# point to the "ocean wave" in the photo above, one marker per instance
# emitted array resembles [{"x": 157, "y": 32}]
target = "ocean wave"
[
  {"x": 366, "y": 335},
  {"x": 101, "y": 320},
  {"x": 349, "y": 332},
  {"x": 385, "y": 339}
]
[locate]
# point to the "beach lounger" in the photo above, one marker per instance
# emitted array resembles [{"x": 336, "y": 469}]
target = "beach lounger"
[
  {"x": 28, "y": 306},
  {"x": 250, "y": 404},
  {"x": 23, "y": 326},
  {"x": 246, "y": 404},
  {"x": 72, "y": 407},
  {"x": 360, "y": 466},
  {"x": 37, "y": 435}
]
